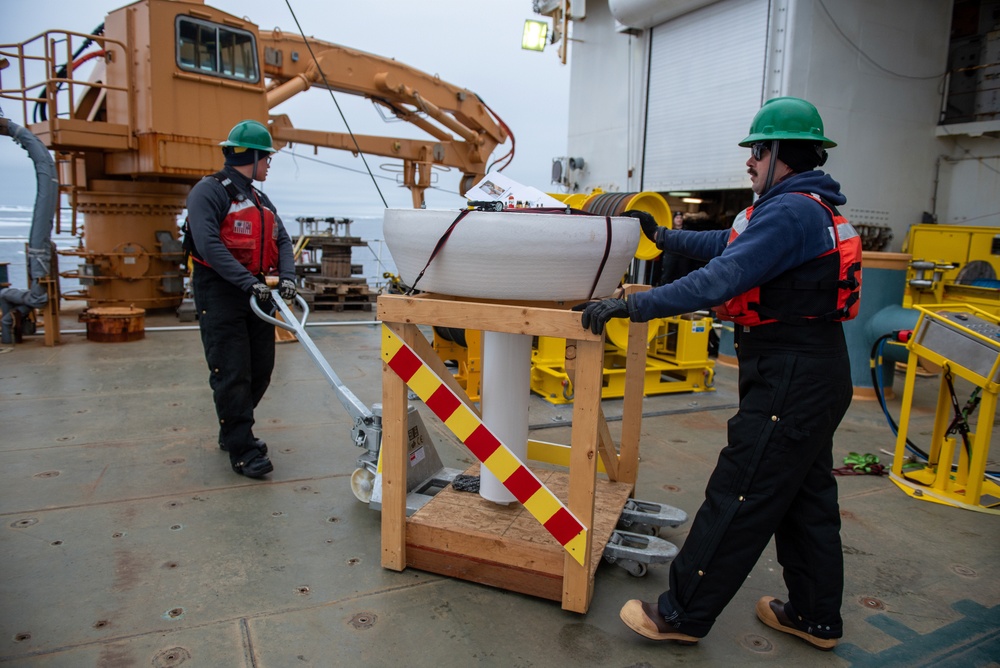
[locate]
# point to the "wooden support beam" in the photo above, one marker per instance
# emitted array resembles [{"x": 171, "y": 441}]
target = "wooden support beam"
[
  {"x": 606, "y": 447},
  {"x": 494, "y": 317},
  {"x": 577, "y": 588},
  {"x": 393, "y": 454},
  {"x": 635, "y": 370}
]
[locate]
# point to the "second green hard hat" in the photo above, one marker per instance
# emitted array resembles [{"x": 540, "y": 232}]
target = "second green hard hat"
[
  {"x": 250, "y": 134},
  {"x": 787, "y": 118}
]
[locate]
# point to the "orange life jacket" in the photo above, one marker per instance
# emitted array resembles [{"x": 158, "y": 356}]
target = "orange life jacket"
[
  {"x": 828, "y": 287},
  {"x": 248, "y": 231}
]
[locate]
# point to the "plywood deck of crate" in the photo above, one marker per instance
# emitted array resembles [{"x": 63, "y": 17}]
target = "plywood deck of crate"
[{"x": 462, "y": 535}]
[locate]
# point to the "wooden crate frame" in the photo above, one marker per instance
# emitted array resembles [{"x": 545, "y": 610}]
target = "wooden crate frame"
[{"x": 590, "y": 439}]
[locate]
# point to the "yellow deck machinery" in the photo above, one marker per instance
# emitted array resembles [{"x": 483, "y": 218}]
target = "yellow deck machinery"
[
  {"x": 953, "y": 264},
  {"x": 676, "y": 360}
]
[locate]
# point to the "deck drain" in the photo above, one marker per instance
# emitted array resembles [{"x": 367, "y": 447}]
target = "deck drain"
[
  {"x": 21, "y": 637},
  {"x": 118, "y": 534},
  {"x": 757, "y": 643},
  {"x": 168, "y": 658},
  {"x": 173, "y": 504},
  {"x": 47, "y": 474},
  {"x": 101, "y": 623},
  {"x": 176, "y": 527},
  {"x": 56, "y": 542},
  {"x": 671, "y": 488},
  {"x": 302, "y": 590},
  {"x": 363, "y": 620},
  {"x": 964, "y": 571},
  {"x": 174, "y": 613},
  {"x": 353, "y": 561},
  {"x": 21, "y": 524},
  {"x": 872, "y": 603},
  {"x": 170, "y": 565}
]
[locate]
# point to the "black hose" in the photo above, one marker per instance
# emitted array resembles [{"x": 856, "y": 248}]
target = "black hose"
[{"x": 876, "y": 366}]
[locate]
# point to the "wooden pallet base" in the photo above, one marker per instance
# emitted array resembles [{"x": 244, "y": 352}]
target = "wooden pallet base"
[
  {"x": 329, "y": 305},
  {"x": 462, "y": 535},
  {"x": 338, "y": 295}
]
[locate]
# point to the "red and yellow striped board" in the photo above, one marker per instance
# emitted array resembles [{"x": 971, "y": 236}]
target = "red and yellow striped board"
[{"x": 537, "y": 499}]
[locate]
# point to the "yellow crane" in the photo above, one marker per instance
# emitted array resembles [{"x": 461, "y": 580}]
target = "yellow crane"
[{"x": 117, "y": 108}]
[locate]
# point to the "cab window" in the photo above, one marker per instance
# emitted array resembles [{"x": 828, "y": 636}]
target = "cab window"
[{"x": 209, "y": 48}]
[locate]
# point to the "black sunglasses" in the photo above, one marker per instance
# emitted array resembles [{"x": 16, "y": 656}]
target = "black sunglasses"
[{"x": 759, "y": 148}]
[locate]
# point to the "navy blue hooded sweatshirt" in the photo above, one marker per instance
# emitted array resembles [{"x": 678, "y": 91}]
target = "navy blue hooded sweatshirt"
[{"x": 785, "y": 231}]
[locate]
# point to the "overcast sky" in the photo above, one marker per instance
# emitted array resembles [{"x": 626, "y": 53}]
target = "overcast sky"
[{"x": 475, "y": 45}]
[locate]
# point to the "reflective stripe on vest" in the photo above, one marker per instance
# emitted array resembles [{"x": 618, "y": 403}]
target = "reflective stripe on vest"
[{"x": 828, "y": 287}]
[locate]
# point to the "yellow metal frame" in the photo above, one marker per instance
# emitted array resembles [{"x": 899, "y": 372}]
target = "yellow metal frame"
[
  {"x": 676, "y": 361},
  {"x": 966, "y": 486}
]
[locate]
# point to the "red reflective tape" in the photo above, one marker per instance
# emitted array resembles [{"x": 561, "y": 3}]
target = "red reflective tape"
[
  {"x": 522, "y": 484},
  {"x": 405, "y": 363},
  {"x": 482, "y": 443},
  {"x": 442, "y": 402},
  {"x": 563, "y": 526}
]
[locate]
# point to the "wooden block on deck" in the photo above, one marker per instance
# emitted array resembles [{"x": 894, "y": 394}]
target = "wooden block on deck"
[{"x": 461, "y": 535}]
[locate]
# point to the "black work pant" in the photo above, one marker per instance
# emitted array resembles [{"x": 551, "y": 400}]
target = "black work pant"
[
  {"x": 239, "y": 349},
  {"x": 774, "y": 478}
]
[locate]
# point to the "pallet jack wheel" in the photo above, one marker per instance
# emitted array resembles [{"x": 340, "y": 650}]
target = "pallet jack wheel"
[{"x": 362, "y": 484}]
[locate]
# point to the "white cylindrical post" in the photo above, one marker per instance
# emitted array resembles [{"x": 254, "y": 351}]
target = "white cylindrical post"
[{"x": 505, "y": 387}]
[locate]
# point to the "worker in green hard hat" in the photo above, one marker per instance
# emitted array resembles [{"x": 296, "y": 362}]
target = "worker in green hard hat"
[
  {"x": 236, "y": 240},
  {"x": 787, "y": 275}
]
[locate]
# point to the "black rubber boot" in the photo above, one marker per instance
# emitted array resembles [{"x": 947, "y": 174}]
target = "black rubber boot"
[
  {"x": 257, "y": 443},
  {"x": 253, "y": 464}
]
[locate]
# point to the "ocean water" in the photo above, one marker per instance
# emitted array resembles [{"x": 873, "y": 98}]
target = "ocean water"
[{"x": 15, "y": 226}]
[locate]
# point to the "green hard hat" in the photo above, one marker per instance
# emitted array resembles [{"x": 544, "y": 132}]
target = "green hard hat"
[
  {"x": 250, "y": 134},
  {"x": 787, "y": 118}
]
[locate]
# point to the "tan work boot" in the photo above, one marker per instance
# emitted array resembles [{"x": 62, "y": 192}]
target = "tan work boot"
[
  {"x": 771, "y": 611},
  {"x": 645, "y": 619}
]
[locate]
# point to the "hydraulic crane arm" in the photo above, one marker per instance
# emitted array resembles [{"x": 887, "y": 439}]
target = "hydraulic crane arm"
[{"x": 462, "y": 129}]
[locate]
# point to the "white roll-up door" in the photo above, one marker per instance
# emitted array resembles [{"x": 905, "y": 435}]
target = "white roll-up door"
[{"x": 705, "y": 85}]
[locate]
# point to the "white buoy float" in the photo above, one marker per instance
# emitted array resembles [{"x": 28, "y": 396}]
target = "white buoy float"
[{"x": 519, "y": 256}]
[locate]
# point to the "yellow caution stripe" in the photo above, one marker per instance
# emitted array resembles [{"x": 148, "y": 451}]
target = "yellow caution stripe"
[{"x": 537, "y": 499}]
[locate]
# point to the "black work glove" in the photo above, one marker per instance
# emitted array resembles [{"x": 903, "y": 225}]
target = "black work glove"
[
  {"x": 646, "y": 222},
  {"x": 287, "y": 290},
  {"x": 263, "y": 294},
  {"x": 596, "y": 314}
]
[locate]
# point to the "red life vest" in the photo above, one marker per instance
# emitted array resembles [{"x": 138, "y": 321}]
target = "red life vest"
[
  {"x": 248, "y": 231},
  {"x": 828, "y": 287}
]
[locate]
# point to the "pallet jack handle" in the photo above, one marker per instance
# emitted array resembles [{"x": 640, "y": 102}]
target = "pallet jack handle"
[{"x": 360, "y": 413}]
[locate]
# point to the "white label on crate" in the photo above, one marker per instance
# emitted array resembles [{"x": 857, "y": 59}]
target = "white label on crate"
[{"x": 416, "y": 456}]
